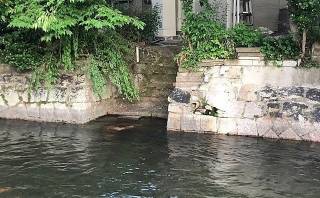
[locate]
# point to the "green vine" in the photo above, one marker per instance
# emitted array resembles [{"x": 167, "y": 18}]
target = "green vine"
[{"x": 48, "y": 37}]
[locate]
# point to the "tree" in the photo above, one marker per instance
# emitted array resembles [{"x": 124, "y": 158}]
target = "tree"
[
  {"x": 305, "y": 13},
  {"x": 58, "y": 26}
]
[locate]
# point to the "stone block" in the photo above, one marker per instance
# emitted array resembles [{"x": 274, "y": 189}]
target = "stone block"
[
  {"x": 179, "y": 96},
  {"x": 248, "y": 93},
  {"x": 178, "y": 108},
  {"x": 247, "y": 127},
  {"x": 253, "y": 110},
  {"x": 208, "y": 123},
  {"x": 289, "y": 134},
  {"x": 11, "y": 97},
  {"x": 227, "y": 126},
  {"x": 47, "y": 112},
  {"x": 15, "y": 112},
  {"x": 174, "y": 122},
  {"x": 289, "y": 63},
  {"x": 33, "y": 111},
  {"x": 62, "y": 112},
  {"x": 229, "y": 109},
  {"x": 58, "y": 94},
  {"x": 279, "y": 125},
  {"x": 40, "y": 95},
  {"x": 79, "y": 94},
  {"x": 191, "y": 123},
  {"x": 264, "y": 125}
]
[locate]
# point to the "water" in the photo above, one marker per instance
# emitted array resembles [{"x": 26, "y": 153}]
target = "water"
[{"x": 142, "y": 160}]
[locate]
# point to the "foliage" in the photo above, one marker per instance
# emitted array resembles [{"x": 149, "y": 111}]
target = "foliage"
[
  {"x": 278, "y": 49},
  {"x": 245, "y": 36},
  {"x": 152, "y": 20},
  {"x": 111, "y": 62},
  {"x": 309, "y": 63},
  {"x": 20, "y": 54},
  {"x": 204, "y": 37},
  {"x": 306, "y": 14},
  {"x": 55, "y": 26}
]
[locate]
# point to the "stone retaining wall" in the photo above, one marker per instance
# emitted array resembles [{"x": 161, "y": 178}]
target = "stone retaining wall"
[
  {"x": 250, "y": 98},
  {"x": 71, "y": 100}
]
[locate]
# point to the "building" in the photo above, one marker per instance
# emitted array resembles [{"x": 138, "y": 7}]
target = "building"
[{"x": 259, "y": 13}]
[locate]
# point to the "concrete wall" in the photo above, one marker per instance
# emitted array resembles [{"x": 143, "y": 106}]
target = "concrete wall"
[{"x": 253, "y": 98}]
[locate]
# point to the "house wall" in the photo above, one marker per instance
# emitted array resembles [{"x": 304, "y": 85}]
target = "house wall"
[{"x": 266, "y": 13}]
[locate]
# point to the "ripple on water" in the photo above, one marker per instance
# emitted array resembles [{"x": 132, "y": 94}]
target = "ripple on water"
[{"x": 60, "y": 160}]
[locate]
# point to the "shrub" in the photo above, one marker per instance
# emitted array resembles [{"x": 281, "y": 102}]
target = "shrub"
[
  {"x": 204, "y": 38},
  {"x": 278, "y": 49},
  {"x": 51, "y": 34},
  {"x": 245, "y": 36}
]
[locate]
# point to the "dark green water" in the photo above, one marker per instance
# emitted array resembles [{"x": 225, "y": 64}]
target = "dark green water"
[{"x": 58, "y": 160}]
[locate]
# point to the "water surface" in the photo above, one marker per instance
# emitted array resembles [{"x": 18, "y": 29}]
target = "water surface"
[{"x": 115, "y": 157}]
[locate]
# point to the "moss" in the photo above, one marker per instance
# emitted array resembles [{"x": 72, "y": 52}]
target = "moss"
[{"x": 4, "y": 99}]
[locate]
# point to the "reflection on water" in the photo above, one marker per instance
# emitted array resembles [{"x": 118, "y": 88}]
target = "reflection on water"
[{"x": 115, "y": 157}]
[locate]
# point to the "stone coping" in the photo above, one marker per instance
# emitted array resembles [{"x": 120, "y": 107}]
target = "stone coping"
[{"x": 250, "y": 61}]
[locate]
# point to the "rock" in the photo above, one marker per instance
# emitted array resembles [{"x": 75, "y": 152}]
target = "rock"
[{"x": 179, "y": 96}]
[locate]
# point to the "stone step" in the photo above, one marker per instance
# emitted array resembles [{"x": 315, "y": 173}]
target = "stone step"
[
  {"x": 248, "y": 50},
  {"x": 189, "y": 74},
  {"x": 248, "y": 54},
  {"x": 197, "y": 79}
]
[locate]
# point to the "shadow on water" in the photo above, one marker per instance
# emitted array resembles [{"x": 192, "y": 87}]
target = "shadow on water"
[{"x": 116, "y": 157}]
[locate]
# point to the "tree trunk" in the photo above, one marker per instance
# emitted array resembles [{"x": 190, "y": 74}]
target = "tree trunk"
[{"x": 304, "y": 42}]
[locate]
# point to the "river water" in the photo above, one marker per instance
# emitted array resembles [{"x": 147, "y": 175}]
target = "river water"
[{"x": 115, "y": 157}]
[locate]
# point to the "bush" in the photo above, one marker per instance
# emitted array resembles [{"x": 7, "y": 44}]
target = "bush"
[
  {"x": 47, "y": 36},
  {"x": 278, "y": 49},
  {"x": 245, "y": 36},
  {"x": 204, "y": 38}
]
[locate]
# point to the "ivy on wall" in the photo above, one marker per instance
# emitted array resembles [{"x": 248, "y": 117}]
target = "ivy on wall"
[{"x": 53, "y": 33}]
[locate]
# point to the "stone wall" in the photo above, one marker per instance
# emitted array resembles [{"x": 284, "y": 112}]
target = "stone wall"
[
  {"x": 248, "y": 97},
  {"x": 73, "y": 101}
]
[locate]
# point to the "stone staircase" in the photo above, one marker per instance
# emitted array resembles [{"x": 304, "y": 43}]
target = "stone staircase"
[
  {"x": 155, "y": 76},
  {"x": 249, "y": 53}
]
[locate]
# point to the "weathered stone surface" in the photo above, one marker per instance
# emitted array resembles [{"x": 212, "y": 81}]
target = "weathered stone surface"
[
  {"x": 316, "y": 114},
  {"x": 247, "y": 127},
  {"x": 255, "y": 98},
  {"x": 289, "y": 134},
  {"x": 191, "y": 123},
  {"x": 313, "y": 94},
  {"x": 248, "y": 93},
  {"x": 264, "y": 125},
  {"x": 253, "y": 110},
  {"x": 208, "y": 123},
  {"x": 11, "y": 97},
  {"x": 174, "y": 122},
  {"x": 227, "y": 126},
  {"x": 290, "y": 91},
  {"x": 179, "y": 96},
  {"x": 294, "y": 109}
]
